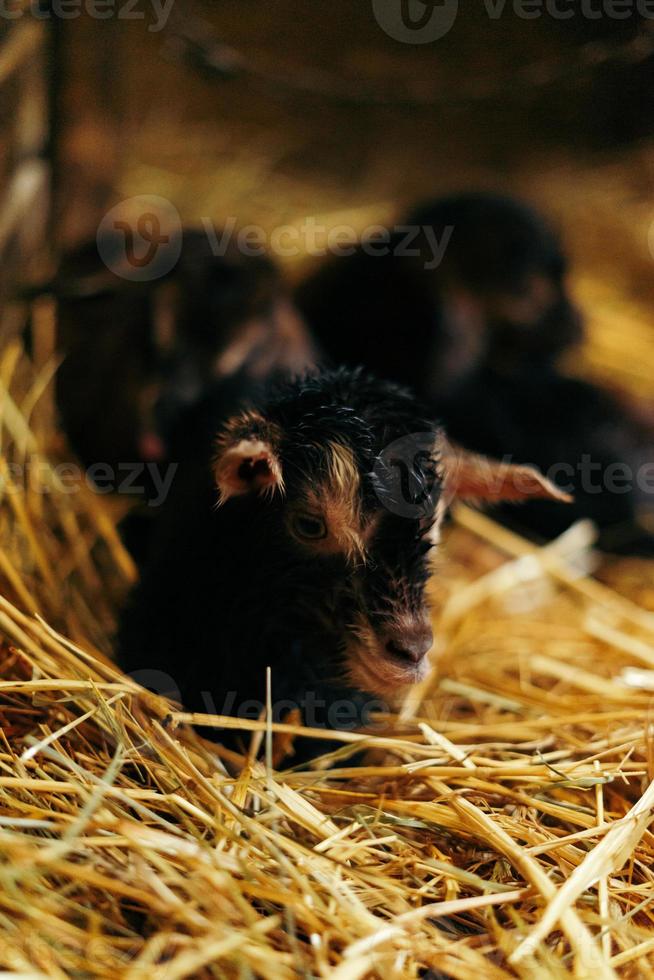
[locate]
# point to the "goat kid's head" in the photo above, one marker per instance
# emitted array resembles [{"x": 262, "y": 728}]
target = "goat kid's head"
[{"x": 354, "y": 482}]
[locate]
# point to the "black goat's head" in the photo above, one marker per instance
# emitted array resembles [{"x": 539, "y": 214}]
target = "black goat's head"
[
  {"x": 353, "y": 480},
  {"x": 503, "y": 276}
]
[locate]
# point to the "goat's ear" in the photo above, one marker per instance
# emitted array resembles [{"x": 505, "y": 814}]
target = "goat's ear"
[
  {"x": 246, "y": 461},
  {"x": 249, "y": 466},
  {"x": 467, "y": 476}
]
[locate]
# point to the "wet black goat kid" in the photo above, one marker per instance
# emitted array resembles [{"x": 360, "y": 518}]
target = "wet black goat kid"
[{"x": 300, "y": 538}]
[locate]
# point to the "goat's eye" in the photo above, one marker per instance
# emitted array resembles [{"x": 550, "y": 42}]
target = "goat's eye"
[{"x": 309, "y": 527}]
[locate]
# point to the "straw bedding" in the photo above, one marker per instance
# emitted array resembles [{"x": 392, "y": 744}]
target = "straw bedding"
[{"x": 498, "y": 828}]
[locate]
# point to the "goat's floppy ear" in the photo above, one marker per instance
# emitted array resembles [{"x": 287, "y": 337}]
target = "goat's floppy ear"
[
  {"x": 468, "y": 476},
  {"x": 246, "y": 459}
]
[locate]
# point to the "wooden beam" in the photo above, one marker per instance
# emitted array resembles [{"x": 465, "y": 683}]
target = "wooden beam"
[
  {"x": 22, "y": 40},
  {"x": 25, "y": 188}
]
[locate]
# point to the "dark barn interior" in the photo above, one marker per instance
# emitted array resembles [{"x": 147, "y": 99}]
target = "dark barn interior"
[
  {"x": 250, "y": 114},
  {"x": 202, "y": 201}
]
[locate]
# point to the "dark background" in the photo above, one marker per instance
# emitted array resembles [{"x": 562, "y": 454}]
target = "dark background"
[
  {"x": 326, "y": 115},
  {"x": 269, "y": 111}
]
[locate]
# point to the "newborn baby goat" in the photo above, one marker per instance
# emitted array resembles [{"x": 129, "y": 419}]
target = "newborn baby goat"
[{"x": 300, "y": 538}]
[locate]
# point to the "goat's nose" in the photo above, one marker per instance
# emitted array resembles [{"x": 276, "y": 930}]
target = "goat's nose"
[{"x": 410, "y": 645}]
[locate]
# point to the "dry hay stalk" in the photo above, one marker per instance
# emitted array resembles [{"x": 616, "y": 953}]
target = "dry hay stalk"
[{"x": 500, "y": 827}]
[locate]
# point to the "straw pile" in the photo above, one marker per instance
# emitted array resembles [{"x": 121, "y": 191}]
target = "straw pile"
[{"x": 498, "y": 829}]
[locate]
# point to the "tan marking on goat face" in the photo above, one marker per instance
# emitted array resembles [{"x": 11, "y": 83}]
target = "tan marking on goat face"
[
  {"x": 248, "y": 424},
  {"x": 336, "y": 500}
]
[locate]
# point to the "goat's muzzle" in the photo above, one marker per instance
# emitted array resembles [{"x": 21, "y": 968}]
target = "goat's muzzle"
[
  {"x": 409, "y": 645},
  {"x": 391, "y": 657}
]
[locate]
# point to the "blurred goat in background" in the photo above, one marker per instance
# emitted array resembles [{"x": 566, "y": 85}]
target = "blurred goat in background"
[
  {"x": 480, "y": 335},
  {"x": 137, "y": 355}
]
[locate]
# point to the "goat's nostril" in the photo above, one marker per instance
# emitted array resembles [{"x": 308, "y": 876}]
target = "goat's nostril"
[
  {"x": 396, "y": 650},
  {"x": 411, "y": 649}
]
